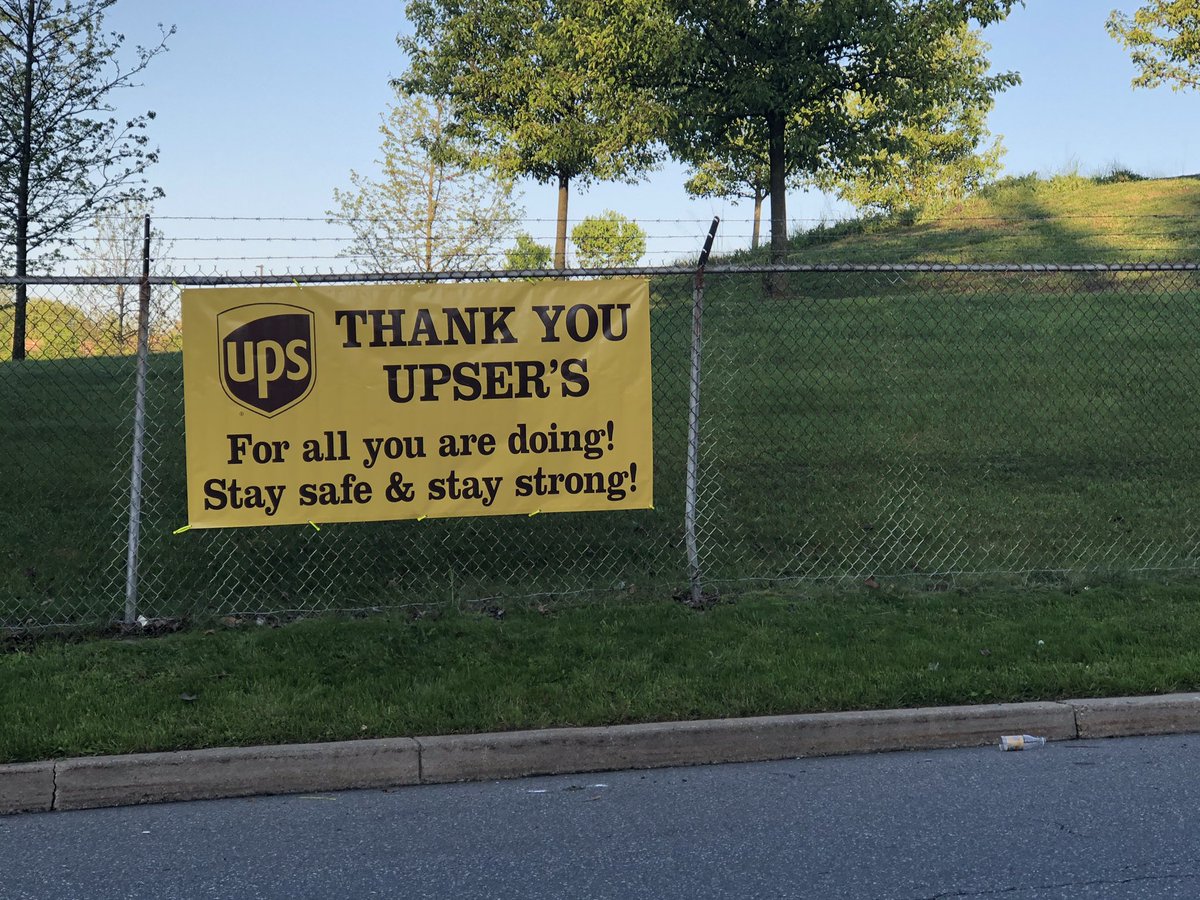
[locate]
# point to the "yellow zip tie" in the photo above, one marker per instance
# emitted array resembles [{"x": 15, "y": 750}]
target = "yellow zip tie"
[
  {"x": 534, "y": 513},
  {"x": 422, "y": 518},
  {"x": 181, "y": 530},
  {"x": 297, "y": 284},
  {"x": 315, "y": 525}
]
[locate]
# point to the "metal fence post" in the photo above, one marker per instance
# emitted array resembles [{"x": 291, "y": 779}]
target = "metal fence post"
[
  {"x": 693, "y": 450},
  {"x": 139, "y": 432}
]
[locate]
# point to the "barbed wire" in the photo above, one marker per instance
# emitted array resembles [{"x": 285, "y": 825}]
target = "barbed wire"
[
  {"x": 227, "y": 243},
  {"x": 301, "y": 277},
  {"x": 697, "y": 220}
]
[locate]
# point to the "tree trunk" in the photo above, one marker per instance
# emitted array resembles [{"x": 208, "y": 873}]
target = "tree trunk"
[
  {"x": 778, "y": 161},
  {"x": 433, "y": 174},
  {"x": 24, "y": 163},
  {"x": 560, "y": 235},
  {"x": 20, "y": 303},
  {"x": 121, "y": 312},
  {"x": 777, "y": 281},
  {"x": 759, "y": 196}
]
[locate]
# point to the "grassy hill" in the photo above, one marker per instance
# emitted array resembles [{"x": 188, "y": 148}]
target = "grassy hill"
[{"x": 1064, "y": 219}]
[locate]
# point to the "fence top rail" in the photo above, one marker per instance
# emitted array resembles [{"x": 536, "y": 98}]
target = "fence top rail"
[{"x": 317, "y": 278}]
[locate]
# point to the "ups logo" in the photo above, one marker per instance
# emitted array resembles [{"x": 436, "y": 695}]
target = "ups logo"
[{"x": 266, "y": 352}]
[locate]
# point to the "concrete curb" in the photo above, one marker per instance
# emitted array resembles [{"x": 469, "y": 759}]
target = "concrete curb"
[
  {"x": 1117, "y": 716},
  {"x": 26, "y": 787},
  {"x": 477, "y": 757},
  {"x": 235, "y": 772}
]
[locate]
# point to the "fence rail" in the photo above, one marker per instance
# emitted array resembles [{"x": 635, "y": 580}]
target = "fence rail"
[{"x": 933, "y": 425}]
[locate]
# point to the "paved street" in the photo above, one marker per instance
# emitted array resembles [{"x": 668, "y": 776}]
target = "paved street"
[{"x": 1079, "y": 819}]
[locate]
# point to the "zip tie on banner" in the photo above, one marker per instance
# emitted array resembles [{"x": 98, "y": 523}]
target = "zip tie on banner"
[
  {"x": 315, "y": 525},
  {"x": 181, "y": 530},
  {"x": 422, "y": 518},
  {"x": 534, "y": 513},
  {"x": 297, "y": 284}
]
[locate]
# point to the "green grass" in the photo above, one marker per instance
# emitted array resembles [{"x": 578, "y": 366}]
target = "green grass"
[
  {"x": 596, "y": 664},
  {"x": 1063, "y": 219},
  {"x": 62, "y": 467},
  {"x": 939, "y": 427}
]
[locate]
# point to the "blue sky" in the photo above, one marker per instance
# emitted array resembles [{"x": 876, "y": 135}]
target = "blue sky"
[{"x": 263, "y": 108}]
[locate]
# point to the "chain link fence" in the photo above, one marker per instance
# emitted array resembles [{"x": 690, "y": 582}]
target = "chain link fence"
[{"x": 926, "y": 425}]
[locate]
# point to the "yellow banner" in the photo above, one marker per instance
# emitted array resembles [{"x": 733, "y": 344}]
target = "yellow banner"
[{"x": 347, "y": 404}]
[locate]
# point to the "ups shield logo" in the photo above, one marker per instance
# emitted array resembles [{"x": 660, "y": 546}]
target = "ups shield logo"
[{"x": 266, "y": 352}]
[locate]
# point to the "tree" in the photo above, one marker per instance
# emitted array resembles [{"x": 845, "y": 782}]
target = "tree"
[
  {"x": 434, "y": 208},
  {"x": 64, "y": 154},
  {"x": 115, "y": 252},
  {"x": 810, "y": 82},
  {"x": 738, "y": 171},
  {"x": 1163, "y": 38},
  {"x": 938, "y": 155},
  {"x": 527, "y": 254},
  {"x": 558, "y": 90},
  {"x": 608, "y": 240}
]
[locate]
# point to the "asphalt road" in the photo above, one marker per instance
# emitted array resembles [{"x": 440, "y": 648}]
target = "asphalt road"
[{"x": 1078, "y": 819}]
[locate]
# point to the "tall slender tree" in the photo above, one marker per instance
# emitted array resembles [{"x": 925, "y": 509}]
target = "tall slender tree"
[
  {"x": 557, "y": 90},
  {"x": 739, "y": 170},
  {"x": 114, "y": 251},
  {"x": 432, "y": 208},
  {"x": 65, "y": 155}
]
